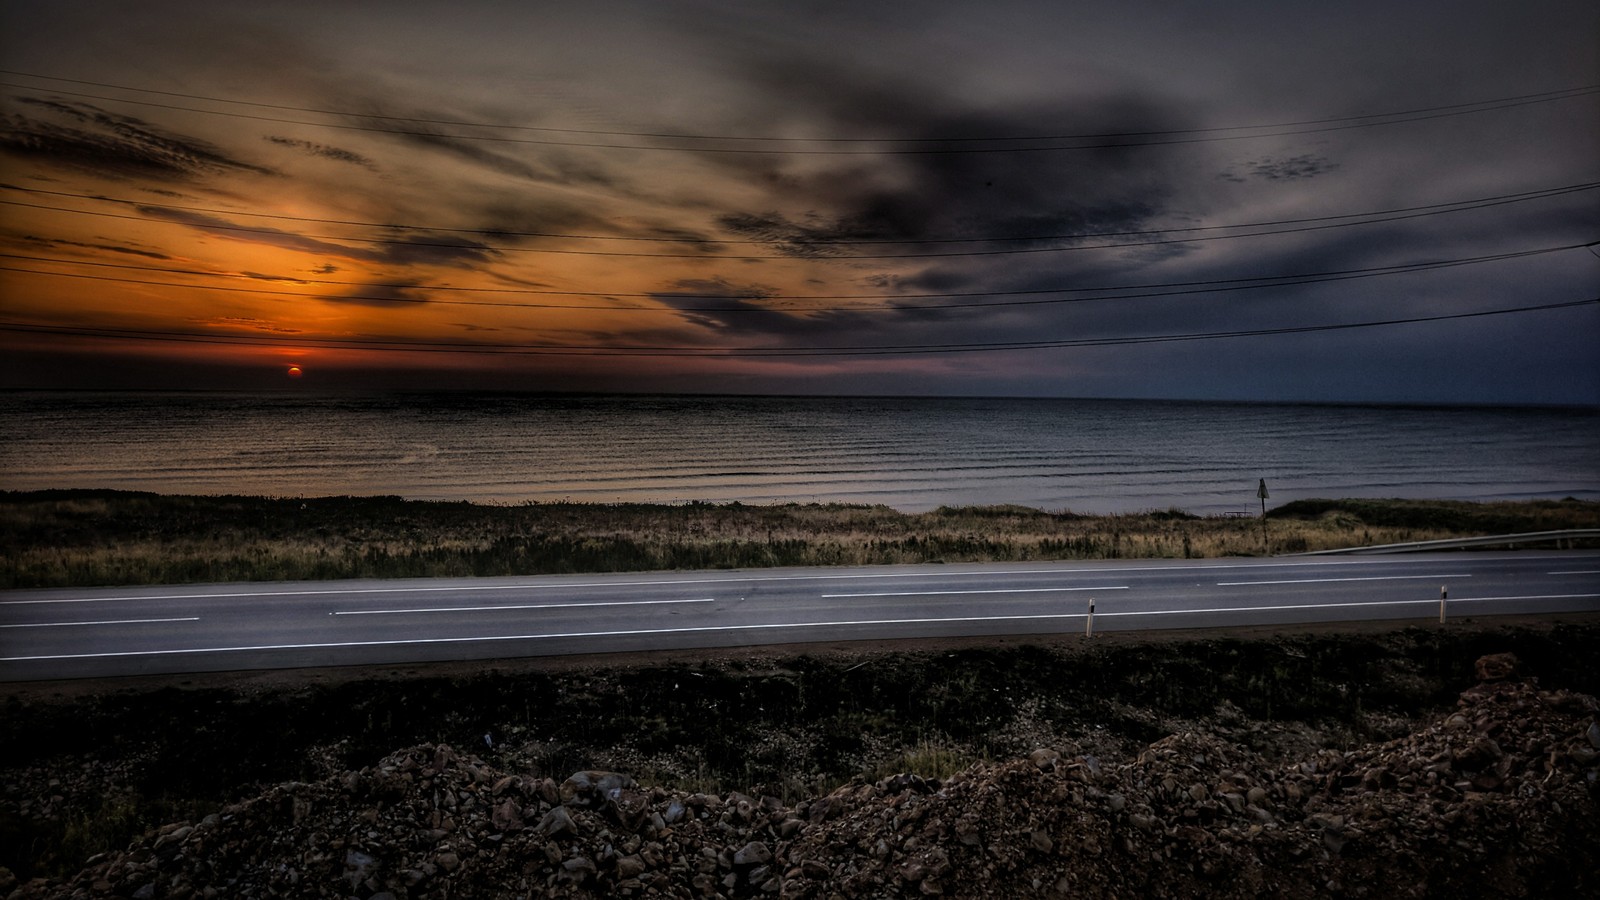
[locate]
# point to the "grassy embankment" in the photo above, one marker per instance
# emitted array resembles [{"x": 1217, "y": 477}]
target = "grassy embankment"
[{"x": 67, "y": 538}]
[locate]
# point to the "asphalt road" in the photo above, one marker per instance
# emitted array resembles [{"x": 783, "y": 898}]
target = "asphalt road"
[{"x": 135, "y": 631}]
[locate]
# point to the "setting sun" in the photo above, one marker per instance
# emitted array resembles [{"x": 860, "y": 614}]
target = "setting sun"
[{"x": 295, "y": 372}]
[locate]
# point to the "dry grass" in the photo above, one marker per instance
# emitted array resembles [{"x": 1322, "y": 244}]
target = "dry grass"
[{"x": 64, "y": 538}]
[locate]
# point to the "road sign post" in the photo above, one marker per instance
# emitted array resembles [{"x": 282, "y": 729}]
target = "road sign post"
[{"x": 1261, "y": 493}]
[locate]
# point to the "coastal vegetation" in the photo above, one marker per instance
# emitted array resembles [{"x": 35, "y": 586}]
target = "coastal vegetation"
[{"x": 93, "y": 537}]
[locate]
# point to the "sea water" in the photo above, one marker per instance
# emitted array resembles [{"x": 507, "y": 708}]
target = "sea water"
[{"x": 1092, "y": 456}]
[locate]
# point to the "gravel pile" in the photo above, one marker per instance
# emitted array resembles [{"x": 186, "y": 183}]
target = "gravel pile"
[{"x": 1499, "y": 798}]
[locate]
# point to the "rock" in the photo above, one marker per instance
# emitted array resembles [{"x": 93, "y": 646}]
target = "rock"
[
  {"x": 752, "y": 854},
  {"x": 578, "y": 869},
  {"x": 1044, "y": 759},
  {"x": 1497, "y": 666},
  {"x": 1191, "y": 814},
  {"x": 507, "y": 816},
  {"x": 556, "y": 822},
  {"x": 815, "y": 870}
]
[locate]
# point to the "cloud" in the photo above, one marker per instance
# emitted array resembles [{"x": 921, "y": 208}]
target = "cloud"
[
  {"x": 554, "y": 165},
  {"x": 248, "y": 323},
  {"x": 385, "y": 295},
  {"x": 932, "y": 187},
  {"x": 86, "y": 138},
  {"x": 109, "y": 248},
  {"x": 337, "y": 154},
  {"x": 1292, "y": 168},
  {"x": 419, "y": 249}
]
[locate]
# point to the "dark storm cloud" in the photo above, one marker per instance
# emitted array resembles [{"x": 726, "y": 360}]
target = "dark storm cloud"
[
  {"x": 84, "y": 137},
  {"x": 324, "y": 151},
  {"x": 936, "y": 188}
]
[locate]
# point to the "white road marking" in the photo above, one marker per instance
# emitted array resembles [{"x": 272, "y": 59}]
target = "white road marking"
[
  {"x": 1054, "y": 590},
  {"x": 1333, "y": 580},
  {"x": 1585, "y": 572},
  {"x": 766, "y": 627},
  {"x": 1525, "y": 597},
  {"x": 102, "y": 622},
  {"x": 451, "y": 609}
]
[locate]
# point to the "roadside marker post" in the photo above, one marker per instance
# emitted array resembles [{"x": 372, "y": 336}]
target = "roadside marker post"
[
  {"x": 1444, "y": 594},
  {"x": 1088, "y": 624},
  {"x": 1262, "y": 495}
]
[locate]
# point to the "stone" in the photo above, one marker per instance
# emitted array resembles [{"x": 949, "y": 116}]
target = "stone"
[
  {"x": 815, "y": 870},
  {"x": 754, "y": 853},
  {"x": 1044, "y": 759},
  {"x": 1497, "y": 666},
  {"x": 556, "y": 822},
  {"x": 507, "y": 816}
]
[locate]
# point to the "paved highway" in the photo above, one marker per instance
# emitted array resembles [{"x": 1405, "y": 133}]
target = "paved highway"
[{"x": 134, "y": 631}]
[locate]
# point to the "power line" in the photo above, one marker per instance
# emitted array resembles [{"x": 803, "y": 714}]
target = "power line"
[
  {"x": 1539, "y": 194},
  {"x": 385, "y": 345},
  {"x": 1327, "y": 223},
  {"x": 1139, "y": 291},
  {"x": 1105, "y": 141}
]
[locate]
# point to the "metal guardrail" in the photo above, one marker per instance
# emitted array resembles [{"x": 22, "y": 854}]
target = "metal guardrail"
[{"x": 1498, "y": 540}]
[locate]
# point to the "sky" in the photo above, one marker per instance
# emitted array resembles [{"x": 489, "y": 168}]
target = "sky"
[{"x": 1350, "y": 202}]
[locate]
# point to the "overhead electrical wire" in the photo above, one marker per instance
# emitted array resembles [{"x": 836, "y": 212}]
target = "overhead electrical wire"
[
  {"x": 1140, "y": 291},
  {"x": 1097, "y": 141},
  {"x": 385, "y": 345},
  {"x": 1331, "y": 222}
]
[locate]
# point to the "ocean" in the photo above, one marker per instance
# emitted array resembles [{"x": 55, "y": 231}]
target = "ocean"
[{"x": 914, "y": 454}]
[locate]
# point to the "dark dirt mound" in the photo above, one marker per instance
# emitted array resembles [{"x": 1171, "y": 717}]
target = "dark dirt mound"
[{"x": 1495, "y": 798}]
